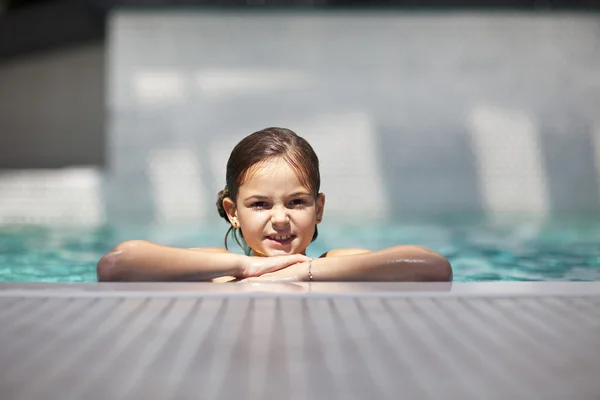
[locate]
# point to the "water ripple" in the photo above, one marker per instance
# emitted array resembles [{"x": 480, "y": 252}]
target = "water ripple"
[{"x": 518, "y": 251}]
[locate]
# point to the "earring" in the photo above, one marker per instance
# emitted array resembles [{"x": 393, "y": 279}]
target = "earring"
[{"x": 235, "y": 223}]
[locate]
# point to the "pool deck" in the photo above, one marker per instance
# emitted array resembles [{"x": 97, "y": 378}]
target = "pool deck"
[{"x": 493, "y": 340}]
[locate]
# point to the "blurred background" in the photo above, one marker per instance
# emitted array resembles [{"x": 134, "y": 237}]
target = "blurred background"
[
  {"x": 127, "y": 110},
  {"x": 123, "y": 112}
]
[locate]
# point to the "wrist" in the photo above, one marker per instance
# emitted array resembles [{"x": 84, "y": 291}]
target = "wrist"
[
  {"x": 309, "y": 275},
  {"x": 240, "y": 263}
]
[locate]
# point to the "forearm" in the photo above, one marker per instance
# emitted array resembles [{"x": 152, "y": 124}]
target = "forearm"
[
  {"x": 400, "y": 263},
  {"x": 145, "y": 261}
]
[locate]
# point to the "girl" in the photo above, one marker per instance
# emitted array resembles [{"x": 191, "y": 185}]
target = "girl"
[{"x": 272, "y": 202}]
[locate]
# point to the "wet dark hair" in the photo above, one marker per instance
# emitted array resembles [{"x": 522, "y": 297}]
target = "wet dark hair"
[{"x": 259, "y": 147}]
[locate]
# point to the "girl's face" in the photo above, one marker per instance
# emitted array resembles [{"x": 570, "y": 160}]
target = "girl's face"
[{"x": 277, "y": 215}]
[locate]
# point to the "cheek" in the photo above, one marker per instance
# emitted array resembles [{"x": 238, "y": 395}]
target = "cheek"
[
  {"x": 252, "y": 221},
  {"x": 306, "y": 220}
]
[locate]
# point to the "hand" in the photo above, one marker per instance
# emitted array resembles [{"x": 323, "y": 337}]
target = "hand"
[
  {"x": 293, "y": 273},
  {"x": 259, "y": 266}
]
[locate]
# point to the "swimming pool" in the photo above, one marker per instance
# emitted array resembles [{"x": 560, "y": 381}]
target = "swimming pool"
[{"x": 480, "y": 250}]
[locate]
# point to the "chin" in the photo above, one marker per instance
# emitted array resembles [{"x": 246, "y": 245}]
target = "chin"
[
  {"x": 278, "y": 252},
  {"x": 282, "y": 251},
  {"x": 270, "y": 250}
]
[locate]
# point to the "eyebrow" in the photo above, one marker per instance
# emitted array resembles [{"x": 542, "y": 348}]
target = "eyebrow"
[
  {"x": 258, "y": 197},
  {"x": 299, "y": 194}
]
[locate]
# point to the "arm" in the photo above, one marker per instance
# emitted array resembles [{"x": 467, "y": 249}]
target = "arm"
[
  {"x": 343, "y": 252},
  {"x": 138, "y": 260},
  {"x": 399, "y": 263},
  {"x": 220, "y": 279}
]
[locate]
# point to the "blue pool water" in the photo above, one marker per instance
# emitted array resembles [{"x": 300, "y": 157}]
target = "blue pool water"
[{"x": 479, "y": 250}]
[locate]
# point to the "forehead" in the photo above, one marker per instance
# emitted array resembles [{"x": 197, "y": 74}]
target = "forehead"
[{"x": 276, "y": 171}]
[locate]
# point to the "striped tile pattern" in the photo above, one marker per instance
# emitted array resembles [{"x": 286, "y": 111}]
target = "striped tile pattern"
[{"x": 297, "y": 348}]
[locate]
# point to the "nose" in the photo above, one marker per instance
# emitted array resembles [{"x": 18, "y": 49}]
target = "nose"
[{"x": 279, "y": 216}]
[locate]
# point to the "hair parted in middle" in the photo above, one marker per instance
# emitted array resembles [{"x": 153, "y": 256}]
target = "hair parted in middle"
[{"x": 262, "y": 146}]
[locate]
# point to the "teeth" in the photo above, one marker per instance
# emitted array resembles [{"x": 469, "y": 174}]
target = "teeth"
[{"x": 281, "y": 237}]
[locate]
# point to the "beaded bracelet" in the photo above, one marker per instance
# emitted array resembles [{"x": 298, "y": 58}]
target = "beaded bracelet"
[{"x": 310, "y": 275}]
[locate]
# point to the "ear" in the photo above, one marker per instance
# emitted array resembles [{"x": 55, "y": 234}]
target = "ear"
[
  {"x": 320, "y": 207},
  {"x": 231, "y": 210}
]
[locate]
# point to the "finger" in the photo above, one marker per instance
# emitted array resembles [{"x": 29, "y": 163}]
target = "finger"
[
  {"x": 249, "y": 280},
  {"x": 263, "y": 278},
  {"x": 285, "y": 261},
  {"x": 301, "y": 260},
  {"x": 280, "y": 262},
  {"x": 276, "y": 265},
  {"x": 298, "y": 258}
]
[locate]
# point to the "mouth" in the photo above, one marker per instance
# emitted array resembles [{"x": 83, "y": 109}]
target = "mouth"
[{"x": 281, "y": 239}]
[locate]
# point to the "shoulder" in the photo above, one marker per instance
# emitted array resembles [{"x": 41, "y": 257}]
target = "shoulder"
[{"x": 343, "y": 252}]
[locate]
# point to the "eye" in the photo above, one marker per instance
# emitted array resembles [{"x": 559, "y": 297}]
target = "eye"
[
  {"x": 259, "y": 205},
  {"x": 298, "y": 202}
]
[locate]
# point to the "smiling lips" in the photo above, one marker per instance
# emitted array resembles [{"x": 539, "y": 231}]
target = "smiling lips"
[{"x": 281, "y": 239}]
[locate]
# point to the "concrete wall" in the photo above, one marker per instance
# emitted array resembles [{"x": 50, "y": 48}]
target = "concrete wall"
[
  {"x": 52, "y": 137},
  {"x": 52, "y": 111}
]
